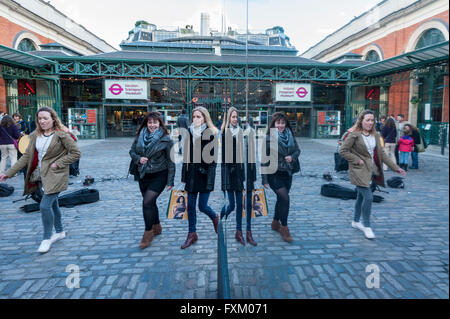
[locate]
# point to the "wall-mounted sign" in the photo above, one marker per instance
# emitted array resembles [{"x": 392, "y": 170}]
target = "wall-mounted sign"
[
  {"x": 126, "y": 89},
  {"x": 296, "y": 92},
  {"x": 427, "y": 112}
]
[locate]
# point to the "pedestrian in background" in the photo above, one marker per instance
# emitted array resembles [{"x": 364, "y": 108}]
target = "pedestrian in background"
[
  {"x": 9, "y": 133},
  {"x": 362, "y": 149},
  {"x": 199, "y": 173},
  {"x": 150, "y": 151},
  {"x": 405, "y": 146},
  {"x": 281, "y": 181},
  {"x": 233, "y": 174},
  {"x": 415, "y": 134},
  {"x": 48, "y": 156},
  {"x": 380, "y": 123},
  {"x": 21, "y": 124},
  {"x": 389, "y": 135},
  {"x": 182, "y": 124},
  {"x": 400, "y": 123}
]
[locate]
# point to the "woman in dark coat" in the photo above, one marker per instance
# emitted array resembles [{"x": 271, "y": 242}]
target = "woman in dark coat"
[
  {"x": 233, "y": 174},
  {"x": 199, "y": 169},
  {"x": 281, "y": 180},
  {"x": 150, "y": 151}
]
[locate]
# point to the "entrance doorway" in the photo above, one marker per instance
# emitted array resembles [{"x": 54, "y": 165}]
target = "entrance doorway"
[
  {"x": 299, "y": 119},
  {"x": 123, "y": 121}
]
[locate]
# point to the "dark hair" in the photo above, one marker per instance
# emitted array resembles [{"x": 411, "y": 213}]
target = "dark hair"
[
  {"x": 382, "y": 117},
  {"x": 389, "y": 123},
  {"x": 179, "y": 200},
  {"x": 183, "y": 111},
  {"x": 276, "y": 117},
  {"x": 17, "y": 114},
  {"x": 156, "y": 116},
  {"x": 256, "y": 196},
  {"x": 401, "y": 115},
  {"x": 7, "y": 121}
]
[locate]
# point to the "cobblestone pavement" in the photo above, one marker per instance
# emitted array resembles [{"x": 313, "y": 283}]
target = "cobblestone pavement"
[{"x": 327, "y": 258}]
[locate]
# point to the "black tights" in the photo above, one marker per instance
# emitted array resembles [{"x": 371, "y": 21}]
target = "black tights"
[
  {"x": 282, "y": 205},
  {"x": 150, "y": 210}
]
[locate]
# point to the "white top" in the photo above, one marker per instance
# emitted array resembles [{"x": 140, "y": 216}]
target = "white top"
[
  {"x": 42, "y": 144},
  {"x": 370, "y": 144}
]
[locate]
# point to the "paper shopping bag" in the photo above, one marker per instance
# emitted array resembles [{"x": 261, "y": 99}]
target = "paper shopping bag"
[
  {"x": 177, "y": 208},
  {"x": 259, "y": 203}
]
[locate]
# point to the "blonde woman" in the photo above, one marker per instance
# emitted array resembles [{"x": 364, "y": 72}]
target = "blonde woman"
[
  {"x": 50, "y": 152},
  {"x": 199, "y": 169},
  {"x": 233, "y": 174},
  {"x": 362, "y": 149}
]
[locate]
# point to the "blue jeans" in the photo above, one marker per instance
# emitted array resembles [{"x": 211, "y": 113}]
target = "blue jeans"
[
  {"x": 415, "y": 159},
  {"x": 202, "y": 206},
  {"x": 51, "y": 214},
  {"x": 404, "y": 157},
  {"x": 235, "y": 199},
  {"x": 363, "y": 205}
]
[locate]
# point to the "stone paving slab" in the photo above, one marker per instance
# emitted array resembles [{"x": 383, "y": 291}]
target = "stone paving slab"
[{"x": 327, "y": 258}]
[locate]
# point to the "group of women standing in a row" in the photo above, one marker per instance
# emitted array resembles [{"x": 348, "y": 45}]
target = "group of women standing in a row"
[{"x": 151, "y": 153}]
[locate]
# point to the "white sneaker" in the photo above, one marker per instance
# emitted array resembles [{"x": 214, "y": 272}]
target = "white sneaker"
[
  {"x": 58, "y": 236},
  {"x": 368, "y": 232},
  {"x": 357, "y": 225},
  {"x": 45, "y": 246}
]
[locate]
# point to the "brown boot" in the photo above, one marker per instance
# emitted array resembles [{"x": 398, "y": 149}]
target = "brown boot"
[
  {"x": 250, "y": 238},
  {"x": 146, "y": 239},
  {"x": 284, "y": 231},
  {"x": 239, "y": 237},
  {"x": 157, "y": 229},
  {"x": 276, "y": 225},
  {"x": 191, "y": 238},
  {"x": 216, "y": 223}
]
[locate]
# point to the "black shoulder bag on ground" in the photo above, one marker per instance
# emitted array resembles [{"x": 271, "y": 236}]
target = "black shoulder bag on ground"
[{"x": 6, "y": 190}]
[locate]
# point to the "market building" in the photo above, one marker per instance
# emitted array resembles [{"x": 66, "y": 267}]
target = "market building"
[{"x": 407, "y": 43}]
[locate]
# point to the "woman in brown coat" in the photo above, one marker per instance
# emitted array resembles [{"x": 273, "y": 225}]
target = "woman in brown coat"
[
  {"x": 48, "y": 156},
  {"x": 362, "y": 149}
]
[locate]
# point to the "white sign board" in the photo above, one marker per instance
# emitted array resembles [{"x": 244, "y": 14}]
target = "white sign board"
[
  {"x": 427, "y": 112},
  {"x": 296, "y": 92},
  {"x": 126, "y": 89}
]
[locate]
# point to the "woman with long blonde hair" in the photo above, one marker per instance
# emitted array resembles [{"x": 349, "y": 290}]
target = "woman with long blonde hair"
[
  {"x": 362, "y": 149},
  {"x": 199, "y": 169},
  {"x": 50, "y": 152},
  {"x": 233, "y": 174}
]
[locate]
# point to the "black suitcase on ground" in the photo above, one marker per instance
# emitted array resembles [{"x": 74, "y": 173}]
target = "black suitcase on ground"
[
  {"x": 337, "y": 191},
  {"x": 6, "y": 190},
  {"x": 79, "y": 197}
]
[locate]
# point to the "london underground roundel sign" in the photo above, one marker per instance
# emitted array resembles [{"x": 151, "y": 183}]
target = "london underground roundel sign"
[{"x": 115, "y": 89}]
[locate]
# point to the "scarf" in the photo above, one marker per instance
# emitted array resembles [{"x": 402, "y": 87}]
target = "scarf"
[
  {"x": 286, "y": 138},
  {"x": 234, "y": 129},
  {"x": 147, "y": 140},
  {"x": 197, "y": 131}
]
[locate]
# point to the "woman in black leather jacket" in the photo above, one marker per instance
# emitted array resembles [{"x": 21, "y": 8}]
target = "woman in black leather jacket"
[
  {"x": 155, "y": 170},
  {"x": 199, "y": 169},
  {"x": 281, "y": 181}
]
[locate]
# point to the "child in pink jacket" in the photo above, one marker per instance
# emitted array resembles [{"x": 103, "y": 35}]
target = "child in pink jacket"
[{"x": 405, "y": 147}]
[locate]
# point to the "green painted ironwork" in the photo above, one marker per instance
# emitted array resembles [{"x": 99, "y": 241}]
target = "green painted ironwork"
[
  {"x": 10, "y": 72},
  {"x": 201, "y": 70},
  {"x": 27, "y": 105},
  {"x": 434, "y": 132}
]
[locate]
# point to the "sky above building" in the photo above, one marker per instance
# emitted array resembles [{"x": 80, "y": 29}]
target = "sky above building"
[{"x": 306, "y": 22}]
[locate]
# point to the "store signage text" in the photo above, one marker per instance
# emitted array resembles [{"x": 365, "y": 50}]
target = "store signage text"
[
  {"x": 127, "y": 90},
  {"x": 297, "y": 92}
]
